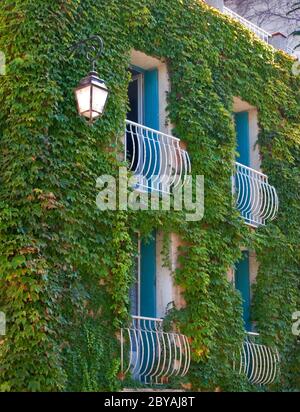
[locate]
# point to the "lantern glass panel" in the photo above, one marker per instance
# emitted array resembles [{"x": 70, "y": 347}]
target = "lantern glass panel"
[
  {"x": 83, "y": 97},
  {"x": 99, "y": 97}
]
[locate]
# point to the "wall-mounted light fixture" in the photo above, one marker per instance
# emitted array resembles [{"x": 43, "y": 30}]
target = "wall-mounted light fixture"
[{"x": 91, "y": 93}]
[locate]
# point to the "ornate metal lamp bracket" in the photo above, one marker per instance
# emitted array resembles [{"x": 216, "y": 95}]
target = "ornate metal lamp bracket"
[{"x": 91, "y": 46}]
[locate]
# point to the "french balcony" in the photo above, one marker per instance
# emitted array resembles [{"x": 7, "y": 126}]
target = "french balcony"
[
  {"x": 255, "y": 198},
  {"x": 258, "y": 362},
  {"x": 151, "y": 354},
  {"x": 156, "y": 159}
]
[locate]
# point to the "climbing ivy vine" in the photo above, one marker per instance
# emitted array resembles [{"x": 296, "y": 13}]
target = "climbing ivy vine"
[{"x": 65, "y": 266}]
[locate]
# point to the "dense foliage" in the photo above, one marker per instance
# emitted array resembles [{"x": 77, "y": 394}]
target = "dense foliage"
[{"x": 65, "y": 267}]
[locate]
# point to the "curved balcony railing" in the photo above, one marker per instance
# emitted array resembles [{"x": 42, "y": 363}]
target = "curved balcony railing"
[
  {"x": 155, "y": 158},
  {"x": 261, "y": 33},
  {"x": 151, "y": 354},
  {"x": 255, "y": 198},
  {"x": 258, "y": 362}
]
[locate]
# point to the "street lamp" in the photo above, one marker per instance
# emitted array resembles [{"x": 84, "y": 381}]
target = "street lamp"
[{"x": 91, "y": 93}]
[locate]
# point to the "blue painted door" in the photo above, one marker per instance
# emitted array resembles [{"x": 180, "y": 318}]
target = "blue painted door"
[
  {"x": 242, "y": 132},
  {"x": 242, "y": 283}
]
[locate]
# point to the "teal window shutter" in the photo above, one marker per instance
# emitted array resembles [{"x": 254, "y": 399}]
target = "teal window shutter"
[
  {"x": 151, "y": 100},
  {"x": 243, "y": 157},
  {"x": 151, "y": 119},
  {"x": 243, "y": 140},
  {"x": 242, "y": 283},
  {"x": 148, "y": 277}
]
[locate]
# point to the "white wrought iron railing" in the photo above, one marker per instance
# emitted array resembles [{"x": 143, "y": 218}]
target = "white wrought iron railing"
[
  {"x": 291, "y": 50},
  {"x": 262, "y": 34},
  {"x": 155, "y": 158},
  {"x": 255, "y": 198},
  {"x": 151, "y": 354},
  {"x": 258, "y": 362}
]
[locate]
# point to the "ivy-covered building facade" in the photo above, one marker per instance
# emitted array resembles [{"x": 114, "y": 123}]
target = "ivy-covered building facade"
[{"x": 98, "y": 298}]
